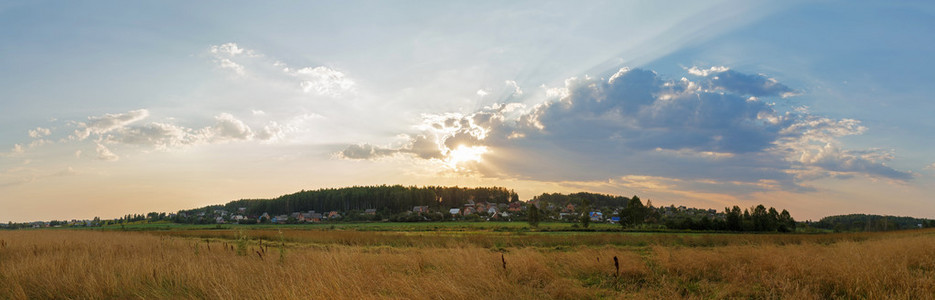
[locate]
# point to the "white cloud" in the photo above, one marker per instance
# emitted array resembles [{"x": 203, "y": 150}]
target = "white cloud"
[
  {"x": 323, "y": 81},
  {"x": 705, "y": 72},
  {"x": 104, "y": 154},
  {"x": 228, "y": 128},
  {"x": 517, "y": 91},
  {"x": 229, "y": 49},
  {"x": 482, "y": 93},
  {"x": 108, "y": 122},
  {"x": 160, "y": 136},
  {"x": 39, "y": 132},
  {"x": 226, "y": 63},
  {"x": 17, "y": 149},
  {"x": 225, "y": 54},
  {"x": 320, "y": 80}
]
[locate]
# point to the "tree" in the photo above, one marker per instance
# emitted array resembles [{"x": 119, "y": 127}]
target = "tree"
[
  {"x": 634, "y": 213},
  {"x": 760, "y": 218},
  {"x": 786, "y": 223},
  {"x": 533, "y": 216},
  {"x": 586, "y": 213},
  {"x": 772, "y": 220},
  {"x": 734, "y": 218}
]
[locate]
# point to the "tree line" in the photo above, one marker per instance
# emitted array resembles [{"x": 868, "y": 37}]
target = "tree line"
[
  {"x": 386, "y": 199},
  {"x": 864, "y": 222}
]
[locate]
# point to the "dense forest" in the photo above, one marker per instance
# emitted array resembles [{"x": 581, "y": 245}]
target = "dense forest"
[
  {"x": 592, "y": 199},
  {"x": 863, "y": 222},
  {"x": 385, "y": 199}
]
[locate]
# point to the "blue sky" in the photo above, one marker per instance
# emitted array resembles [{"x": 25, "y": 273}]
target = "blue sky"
[{"x": 818, "y": 107}]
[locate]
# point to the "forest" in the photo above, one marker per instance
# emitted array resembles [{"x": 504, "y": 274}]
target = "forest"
[
  {"x": 386, "y": 199},
  {"x": 864, "y": 222}
]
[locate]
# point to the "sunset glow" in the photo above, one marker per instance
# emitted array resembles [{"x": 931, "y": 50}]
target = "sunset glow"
[{"x": 116, "y": 109}]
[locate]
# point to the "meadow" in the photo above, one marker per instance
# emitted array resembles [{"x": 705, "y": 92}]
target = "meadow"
[{"x": 461, "y": 263}]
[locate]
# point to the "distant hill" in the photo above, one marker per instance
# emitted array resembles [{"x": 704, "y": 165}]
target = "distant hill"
[{"x": 864, "y": 222}]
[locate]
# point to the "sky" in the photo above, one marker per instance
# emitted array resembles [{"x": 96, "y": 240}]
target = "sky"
[{"x": 110, "y": 108}]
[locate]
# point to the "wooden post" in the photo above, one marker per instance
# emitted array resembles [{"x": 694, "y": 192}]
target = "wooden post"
[
  {"x": 503, "y": 260},
  {"x": 616, "y": 266}
]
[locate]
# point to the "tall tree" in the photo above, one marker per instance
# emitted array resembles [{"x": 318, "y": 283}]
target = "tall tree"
[
  {"x": 533, "y": 216},
  {"x": 585, "y": 213},
  {"x": 634, "y": 213}
]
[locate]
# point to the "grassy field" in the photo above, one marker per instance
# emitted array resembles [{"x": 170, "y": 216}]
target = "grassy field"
[{"x": 466, "y": 263}]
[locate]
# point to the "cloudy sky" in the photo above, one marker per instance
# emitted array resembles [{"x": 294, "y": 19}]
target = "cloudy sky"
[{"x": 818, "y": 107}]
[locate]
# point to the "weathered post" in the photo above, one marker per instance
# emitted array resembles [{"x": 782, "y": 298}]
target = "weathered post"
[
  {"x": 502, "y": 259},
  {"x": 616, "y": 266}
]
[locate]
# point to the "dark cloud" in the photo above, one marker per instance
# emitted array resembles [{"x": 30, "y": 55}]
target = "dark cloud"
[
  {"x": 722, "y": 78},
  {"x": 638, "y": 123}
]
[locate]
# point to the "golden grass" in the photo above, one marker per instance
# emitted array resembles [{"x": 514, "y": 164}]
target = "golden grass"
[{"x": 60, "y": 264}]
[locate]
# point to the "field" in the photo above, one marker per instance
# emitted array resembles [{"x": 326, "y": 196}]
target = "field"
[{"x": 460, "y": 261}]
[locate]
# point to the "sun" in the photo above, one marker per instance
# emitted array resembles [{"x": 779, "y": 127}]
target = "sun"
[{"x": 463, "y": 154}]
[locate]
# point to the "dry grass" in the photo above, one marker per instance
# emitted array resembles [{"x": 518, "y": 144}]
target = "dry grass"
[{"x": 58, "y": 264}]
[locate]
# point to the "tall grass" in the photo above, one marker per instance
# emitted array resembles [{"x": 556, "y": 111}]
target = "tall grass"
[{"x": 59, "y": 264}]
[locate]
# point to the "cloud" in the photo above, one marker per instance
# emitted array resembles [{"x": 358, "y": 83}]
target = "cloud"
[
  {"x": 225, "y": 54},
  {"x": 637, "y": 123},
  {"x": 108, "y": 122},
  {"x": 39, "y": 132},
  {"x": 705, "y": 72},
  {"x": 230, "y": 50},
  {"x": 759, "y": 85},
  {"x": 126, "y": 129},
  {"x": 366, "y": 151},
  {"x": 421, "y": 146},
  {"x": 324, "y": 81},
  {"x": 319, "y": 80},
  {"x": 517, "y": 91},
  {"x": 228, "y": 128},
  {"x": 160, "y": 136},
  {"x": 104, "y": 154}
]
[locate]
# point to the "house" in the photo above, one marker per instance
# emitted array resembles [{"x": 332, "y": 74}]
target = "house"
[
  {"x": 219, "y": 220},
  {"x": 570, "y": 208},
  {"x": 454, "y": 211},
  {"x": 312, "y": 216},
  {"x": 334, "y": 215},
  {"x": 241, "y": 210},
  {"x": 515, "y": 206},
  {"x": 596, "y": 216},
  {"x": 370, "y": 211},
  {"x": 615, "y": 219},
  {"x": 281, "y": 219},
  {"x": 493, "y": 210},
  {"x": 469, "y": 210},
  {"x": 420, "y": 209},
  {"x": 264, "y": 216},
  {"x": 481, "y": 206}
]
